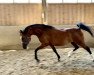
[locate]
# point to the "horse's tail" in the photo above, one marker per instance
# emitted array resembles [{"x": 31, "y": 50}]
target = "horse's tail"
[{"x": 86, "y": 28}]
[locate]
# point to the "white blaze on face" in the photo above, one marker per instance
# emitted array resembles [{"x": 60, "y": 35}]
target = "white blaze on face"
[
  {"x": 27, "y": 47},
  {"x": 20, "y": 37}
]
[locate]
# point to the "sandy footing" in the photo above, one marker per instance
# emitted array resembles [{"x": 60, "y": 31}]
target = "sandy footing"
[{"x": 22, "y": 62}]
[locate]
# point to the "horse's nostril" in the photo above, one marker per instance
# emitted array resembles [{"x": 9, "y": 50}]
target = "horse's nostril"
[{"x": 24, "y": 47}]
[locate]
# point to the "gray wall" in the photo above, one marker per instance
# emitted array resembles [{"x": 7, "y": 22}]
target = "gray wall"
[{"x": 10, "y": 38}]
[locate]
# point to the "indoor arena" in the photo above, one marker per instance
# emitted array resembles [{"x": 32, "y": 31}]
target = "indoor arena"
[{"x": 72, "y": 18}]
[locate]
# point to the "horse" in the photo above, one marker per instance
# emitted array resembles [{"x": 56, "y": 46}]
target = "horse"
[{"x": 51, "y": 36}]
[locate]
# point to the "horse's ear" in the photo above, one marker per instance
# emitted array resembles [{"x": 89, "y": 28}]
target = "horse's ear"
[{"x": 21, "y": 32}]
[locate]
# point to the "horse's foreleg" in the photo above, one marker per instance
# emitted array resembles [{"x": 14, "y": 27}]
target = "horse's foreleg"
[
  {"x": 40, "y": 47},
  {"x": 54, "y": 49},
  {"x": 75, "y": 48}
]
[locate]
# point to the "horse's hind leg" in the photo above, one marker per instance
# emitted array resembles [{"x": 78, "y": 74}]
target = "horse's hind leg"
[
  {"x": 87, "y": 49},
  {"x": 54, "y": 49},
  {"x": 75, "y": 48}
]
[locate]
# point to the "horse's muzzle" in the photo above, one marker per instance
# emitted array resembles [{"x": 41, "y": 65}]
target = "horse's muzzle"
[{"x": 24, "y": 46}]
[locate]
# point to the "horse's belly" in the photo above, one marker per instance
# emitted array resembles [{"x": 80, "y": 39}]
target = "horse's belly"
[{"x": 61, "y": 42}]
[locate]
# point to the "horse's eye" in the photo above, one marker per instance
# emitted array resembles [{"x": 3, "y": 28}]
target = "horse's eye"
[{"x": 22, "y": 39}]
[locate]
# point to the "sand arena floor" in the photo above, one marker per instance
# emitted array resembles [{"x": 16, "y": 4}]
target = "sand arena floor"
[{"x": 22, "y": 62}]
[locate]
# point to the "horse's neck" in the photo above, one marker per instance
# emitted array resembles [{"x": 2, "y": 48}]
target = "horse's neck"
[{"x": 34, "y": 31}]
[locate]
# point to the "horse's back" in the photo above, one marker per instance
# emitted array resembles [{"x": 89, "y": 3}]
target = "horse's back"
[
  {"x": 58, "y": 37},
  {"x": 61, "y": 37}
]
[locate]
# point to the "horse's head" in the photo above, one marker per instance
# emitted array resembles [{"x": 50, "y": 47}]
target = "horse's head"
[{"x": 25, "y": 39}]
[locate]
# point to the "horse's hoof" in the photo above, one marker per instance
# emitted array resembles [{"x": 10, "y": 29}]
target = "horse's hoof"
[
  {"x": 38, "y": 61},
  {"x": 58, "y": 60}
]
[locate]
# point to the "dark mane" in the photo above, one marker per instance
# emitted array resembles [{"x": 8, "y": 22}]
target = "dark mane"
[{"x": 43, "y": 26}]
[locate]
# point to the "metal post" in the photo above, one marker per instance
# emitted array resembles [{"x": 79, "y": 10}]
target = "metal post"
[
  {"x": 44, "y": 12},
  {"x": 13, "y": 1}
]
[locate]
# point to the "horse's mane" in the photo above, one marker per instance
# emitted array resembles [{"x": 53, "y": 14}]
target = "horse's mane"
[{"x": 43, "y": 26}]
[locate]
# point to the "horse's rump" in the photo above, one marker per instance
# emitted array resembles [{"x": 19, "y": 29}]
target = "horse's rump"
[{"x": 76, "y": 35}]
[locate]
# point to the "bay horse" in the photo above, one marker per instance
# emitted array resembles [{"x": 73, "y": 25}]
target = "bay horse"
[{"x": 51, "y": 36}]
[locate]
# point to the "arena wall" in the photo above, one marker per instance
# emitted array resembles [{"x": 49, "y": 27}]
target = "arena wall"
[
  {"x": 68, "y": 13},
  {"x": 58, "y": 14},
  {"x": 20, "y": 14},
  {"x": 14, "y": 17}
]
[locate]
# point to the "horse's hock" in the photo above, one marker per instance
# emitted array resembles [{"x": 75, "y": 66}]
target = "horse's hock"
[{"x": 10, "y": 37}]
